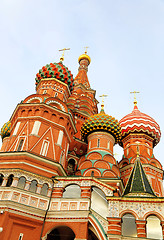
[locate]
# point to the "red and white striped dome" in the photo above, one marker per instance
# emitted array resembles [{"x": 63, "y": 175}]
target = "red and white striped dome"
[{"x": 138, "y": 122}]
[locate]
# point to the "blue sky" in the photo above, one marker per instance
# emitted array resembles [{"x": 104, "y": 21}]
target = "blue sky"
[{"x": 126, "y": 46}]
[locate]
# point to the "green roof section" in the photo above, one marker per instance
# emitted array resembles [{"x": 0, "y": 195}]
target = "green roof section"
[{"x": 138, "y": 183}]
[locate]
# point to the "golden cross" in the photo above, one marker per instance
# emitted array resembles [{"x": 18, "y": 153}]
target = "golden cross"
[
  {"x": 64, "y": 49},
  {"x": 102, "y": 104},
  {"x": 86, "y": 50},
  {"x": 102, "y": 96},
  {"x": 135, "y": 100}
]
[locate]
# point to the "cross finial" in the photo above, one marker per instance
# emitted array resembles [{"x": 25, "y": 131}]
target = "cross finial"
[
  {"x": 86, "y": 49},
  {"x": 135, "y": 100},
  {"x": 63, "y": 50},
  {"x": 102, "y": 104}
]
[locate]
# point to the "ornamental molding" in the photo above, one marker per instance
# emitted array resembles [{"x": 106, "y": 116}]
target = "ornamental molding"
[
  {"x": 29, "y": 176},
  {"x": 33, "y": 98},
  {"x": 140, "y": 209},
  {"x": 53, "y": 101},
  {"x": 102, "y": 221},
  {"x": 85, "y": 183}
]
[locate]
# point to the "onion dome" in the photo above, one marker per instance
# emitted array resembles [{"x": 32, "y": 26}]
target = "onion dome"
[
  {"x": 5, "y": 130},
  {"x": 138, "y": 122},
  {"x": 58, "y": 71},
  {"x": 84, "y": 56},
  {"x": 101, "y": 122}
]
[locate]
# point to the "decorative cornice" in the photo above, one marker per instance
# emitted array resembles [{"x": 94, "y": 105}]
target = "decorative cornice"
[{"x": 34, "y": 156}]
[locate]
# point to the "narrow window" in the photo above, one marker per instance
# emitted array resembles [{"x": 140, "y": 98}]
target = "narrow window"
[
  {"x": 44, "y": 148},
  {"x": 33, "y": 186},
  {"x": 148, "y": 151},
  {"x": 153, "y": 228},
  {"x": 56, "y": 94},
  {"x": 127, "y": 151},
  {"x": 44, "y": 189},
  {"x": 16, "y": 128},
  {"x": 1, "y": 179},
  {"x": 71, "y": 167},
  {"x": 98, "y": 142},
  {"x": 44, "y": 92},
  {"x": 60, "y": 138},
  {"x": 89, "y": 145},
  {"x": 129, "y": 228},
  {"x": 67, "y": 150},
  {"x": 20, "y": 145},
  {"x": 20, "y": 236},
  {"x": 21, "y": 182},
  {"x": 9, "y": 180},
  {"x": 36, "y": 128},
  {"x": 108, "y": 147}
]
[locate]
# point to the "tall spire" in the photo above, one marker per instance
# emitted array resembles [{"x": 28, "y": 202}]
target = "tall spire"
[
  {"x": 82, "y": 78},
  {"x": 138, "y": 183}
]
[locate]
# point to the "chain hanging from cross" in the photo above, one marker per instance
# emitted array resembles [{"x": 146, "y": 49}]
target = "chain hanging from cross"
[
  {"x": 63, "y": 50},
  {"x": 102, "y": 104},
  {"x": 135, "y": 100}
]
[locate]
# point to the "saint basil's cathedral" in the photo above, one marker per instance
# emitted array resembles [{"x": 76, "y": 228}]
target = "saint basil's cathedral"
[{"x": 59, "y": 179}]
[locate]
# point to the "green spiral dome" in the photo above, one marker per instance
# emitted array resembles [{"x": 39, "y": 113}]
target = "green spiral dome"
[
  {"x": 5, "y": 130},
  {"x": 58, "y": 71},
  {"x": 101, "y": 122}
]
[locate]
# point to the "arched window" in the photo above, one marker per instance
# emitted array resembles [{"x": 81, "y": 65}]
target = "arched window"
[
  {"x": 33, "y": 186},
  {"x": 9, "y": 180},
  {"x": 20, "y": 145},
  {"x": 21, "y": 182},
  {"x": 124, "y": 164},
  {"x": 98, "y": 202},
  {"x": 61, "y": 233},
  {"x": 129, "y": 228},
  {"x": 153, "y": 228},
  {"x": 71, "y": 167},
  {"x": 1, "y": 179},
  {"x": 44, "y": 189},
  {"x": 72, "y": 191},
  {"x": 98, "y": 142}
]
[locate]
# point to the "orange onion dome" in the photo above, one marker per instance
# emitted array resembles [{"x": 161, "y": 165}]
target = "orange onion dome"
[
  {"x": 58, "y": 71},
  {"x": 138, "y": 122},
  {"x": 101, "y": 122}
]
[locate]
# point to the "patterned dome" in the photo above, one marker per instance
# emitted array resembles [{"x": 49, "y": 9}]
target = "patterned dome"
[
  {"x": 101, "y": 122},
  {"x": 5, "y": 130},
  {"x": 138, "y": 122},
  {"x": 58, "y": 71}
]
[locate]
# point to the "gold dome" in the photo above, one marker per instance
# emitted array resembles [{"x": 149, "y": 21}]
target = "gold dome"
[{"x": 84, "y": 56}]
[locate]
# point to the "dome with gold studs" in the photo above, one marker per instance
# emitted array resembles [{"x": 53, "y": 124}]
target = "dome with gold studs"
[
  {"x": 101, "y": 122},
  {"x": 5, "y": 130}
]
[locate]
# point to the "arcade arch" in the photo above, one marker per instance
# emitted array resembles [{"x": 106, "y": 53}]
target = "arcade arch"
[{"x": 61, "y": 233}]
